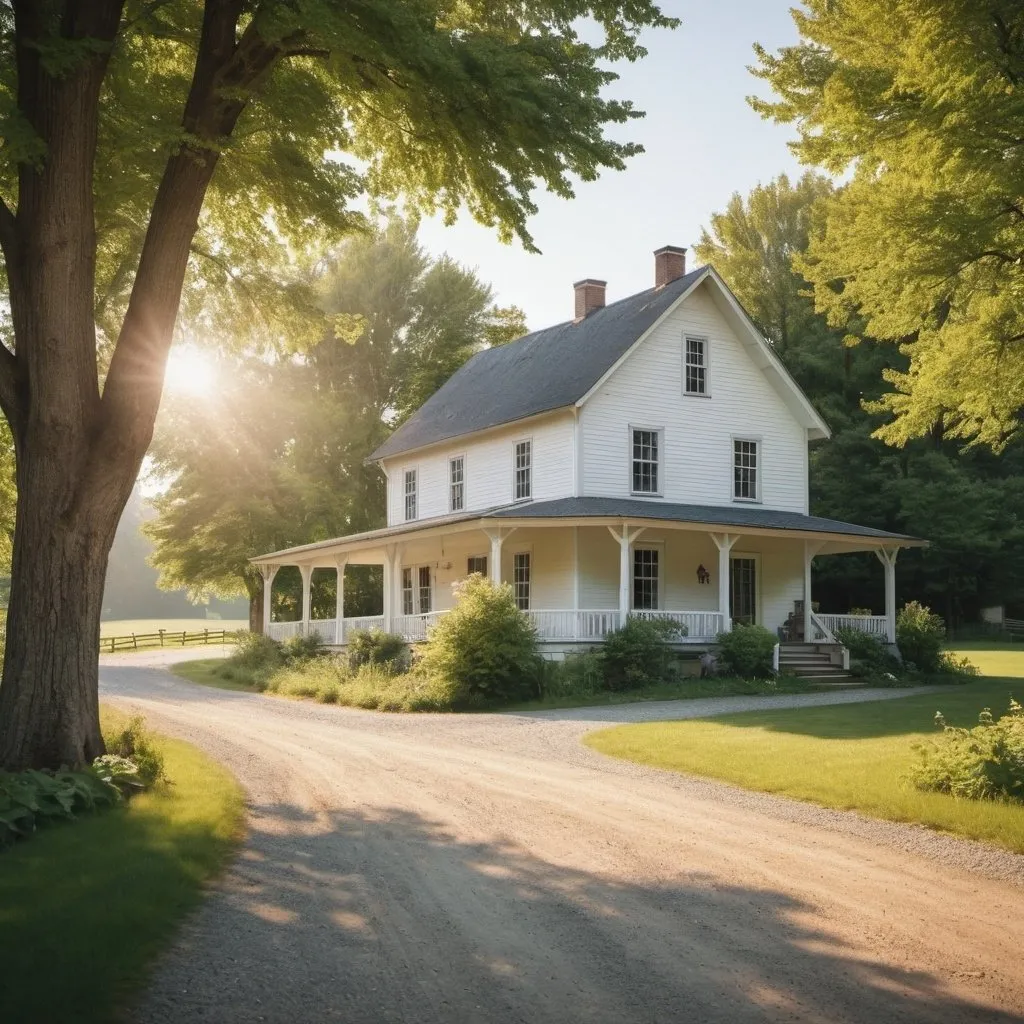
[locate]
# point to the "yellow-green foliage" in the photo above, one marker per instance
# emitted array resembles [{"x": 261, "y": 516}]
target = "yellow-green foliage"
[
  {"x": 484, "y": 651},
  {"x": 922, "y": 102}
]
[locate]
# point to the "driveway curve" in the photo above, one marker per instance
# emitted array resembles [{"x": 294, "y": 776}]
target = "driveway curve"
[{"x": 489, "y": 868}]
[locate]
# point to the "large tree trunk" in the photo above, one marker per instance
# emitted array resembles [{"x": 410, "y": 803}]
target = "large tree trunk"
[
  {"x": 49, "y": 702},
  {"x": 255, "y": 606}
]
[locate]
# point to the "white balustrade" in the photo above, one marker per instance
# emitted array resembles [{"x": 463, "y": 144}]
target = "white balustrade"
[
  {"x": 325, "y": 629},
  {"x": 416, "y": 627},
  {"x": 286, "y": 630},
  {"x": 700, "y": 626},
  {"x": 873, "y": 624},
  {"x": 361, "y": 622}
]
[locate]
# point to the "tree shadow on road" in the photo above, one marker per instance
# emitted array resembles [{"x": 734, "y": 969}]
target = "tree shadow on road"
[{"x": 383, "y": 915}]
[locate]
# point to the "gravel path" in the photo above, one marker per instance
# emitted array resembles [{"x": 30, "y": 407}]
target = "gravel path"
[{"x": 489, "y": 868}]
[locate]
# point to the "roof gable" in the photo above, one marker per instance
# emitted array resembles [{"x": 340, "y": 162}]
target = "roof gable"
[{"x": 562, "y": 366}]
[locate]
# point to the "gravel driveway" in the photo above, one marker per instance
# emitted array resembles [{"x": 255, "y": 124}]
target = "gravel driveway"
[{"x": 489, "y": 868}]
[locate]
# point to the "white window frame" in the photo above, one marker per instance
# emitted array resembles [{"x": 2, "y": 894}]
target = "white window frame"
[
  {"x": 461, "y": 484},
  {"x": 485, "y": 558},
  {"x": 706, "y": 393},
  {"x": 758, "y": 468},
  {"x": 651, "y": 545},
  {"x": 408, "y": 591},
  {"x": 414, "y": 494},
  {"x": 515, "y": 470},
  {"x": 659, "y": 433},
  {"x": 529, "y": 583},
  {"x": 421, "y": 590}
]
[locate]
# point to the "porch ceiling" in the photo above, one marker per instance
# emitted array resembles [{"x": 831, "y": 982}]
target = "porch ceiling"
[{"x": 751, "y": 520}]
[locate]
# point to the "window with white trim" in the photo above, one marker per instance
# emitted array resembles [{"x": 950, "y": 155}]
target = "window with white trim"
[
  {"x": 745, "y": 470},
  {"x": 521, "y": 579},
  {"x": 695, "y": 366},
  {"x": 476, "y": 564},
  {"x": 407, "y": 594},
  {"x": 646, "y": 455},
  {"x": 410, "y": 494},
  {"x": 523, "y": 461},
  {"x": 645, "y": 578},
  {"x": 457, "y": 483},
  {"x": 424, "y": 589}
]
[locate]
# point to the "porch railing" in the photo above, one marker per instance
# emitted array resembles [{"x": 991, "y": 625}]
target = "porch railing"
[
  {"x": 362, "y": 622},
  {"x": 416, "y": 627},
  {"x": 700, "y": 626},
  {"x": 286, "y": 630},
  {"x": 876, "y": 625},
  {"x": 820, "y": 630}
]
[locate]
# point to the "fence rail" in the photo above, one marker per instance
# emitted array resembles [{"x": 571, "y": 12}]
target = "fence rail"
[
  {"x": 1015, "y": 627},
  {"x": 166, "y": 638}
]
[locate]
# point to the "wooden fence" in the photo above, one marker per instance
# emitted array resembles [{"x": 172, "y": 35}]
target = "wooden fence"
[
  {"x": 1015, "y": 627},
  {"x": 166, "y": 638}
]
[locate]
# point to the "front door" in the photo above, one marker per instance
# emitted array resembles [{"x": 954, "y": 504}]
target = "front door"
[{"x": 743, "y": 590}]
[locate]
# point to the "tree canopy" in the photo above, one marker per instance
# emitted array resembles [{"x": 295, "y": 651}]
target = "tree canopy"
[
  {"x": 921, "y": 103},
  {"x": 276, "y": 456},
  {"x": 966, "y": 503}
]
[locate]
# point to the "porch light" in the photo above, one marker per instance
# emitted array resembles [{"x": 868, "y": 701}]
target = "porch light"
[{"x": 703, "y": 576}]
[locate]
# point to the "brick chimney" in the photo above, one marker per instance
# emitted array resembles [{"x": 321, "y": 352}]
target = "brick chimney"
[
  {"x": 589, "y": 296},
  {"x": 669, "y": 264}
]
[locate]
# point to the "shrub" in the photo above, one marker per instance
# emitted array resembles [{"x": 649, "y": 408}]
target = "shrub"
[
  {"x": 256, "y": 653},
  {"x": 133, "y": 741},
  {"x": 869, "y": 655},
  {"x": 579, "y": 675},
  {"x": 299, "y": 649},
  {"x": 983, "y": 763},
  {"x": 484, "y": 651},
  {"x": 375, "y": 647},
  {"x": 638, "y": 654},
  {"x": 920, "y": 635},
  {"x": 33, "y": 798},
  {"x": 747, "y": 651}
]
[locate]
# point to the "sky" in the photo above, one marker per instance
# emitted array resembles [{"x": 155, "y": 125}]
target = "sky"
[{"x": 702, "y": 141}]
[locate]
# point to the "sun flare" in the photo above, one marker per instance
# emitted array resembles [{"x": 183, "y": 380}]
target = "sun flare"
[{"x": 190, "y": 371}]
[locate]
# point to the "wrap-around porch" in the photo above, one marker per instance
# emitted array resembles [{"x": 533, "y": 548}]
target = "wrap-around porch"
[{"x": 577, "y": 581}]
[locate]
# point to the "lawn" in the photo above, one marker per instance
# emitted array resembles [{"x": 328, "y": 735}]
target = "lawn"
[
  {"x": 210, "y": 672},
  {"x": 851, "y": 757},
  {"x": 86, "y": 906},
  {"x": 125, "y": 627}
]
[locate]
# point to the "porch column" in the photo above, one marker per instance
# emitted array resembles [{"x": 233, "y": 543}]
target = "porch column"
[
  {"x": 811, "y": 548},
  {"x": 389, "y": 583},
  {"x": 307, "y": 578},
  {"x": 887, "y": 556},
  {"x": 724, "y": 542},
  {"x": 268, "y": 572},
  {"x": 339, "y": 602},
  {"x": 396, "y": 588},
  {"x": 625, "y": 540},
  {"x": 497, "y": 538}
]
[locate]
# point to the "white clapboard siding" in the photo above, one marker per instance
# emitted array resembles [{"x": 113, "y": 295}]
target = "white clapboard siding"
[
  {"x": 488, "y": 468},
  {"x": 647, "y": 391}
]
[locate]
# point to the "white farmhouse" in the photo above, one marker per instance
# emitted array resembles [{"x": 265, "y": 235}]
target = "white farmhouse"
[{"x": 647, "y": 457}]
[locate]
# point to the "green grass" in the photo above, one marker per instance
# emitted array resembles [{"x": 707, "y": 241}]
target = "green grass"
[
  {"x": 994, "y": 659},
  {"x": 851, "y": 757},
  {"x": 86, "y": 906},
  {"x": 213, "y": 672},
  {"x": 125, "y": 627}
]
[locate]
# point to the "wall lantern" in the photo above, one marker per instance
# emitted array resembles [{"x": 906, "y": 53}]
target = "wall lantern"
[{"x": 703, "y": 576}]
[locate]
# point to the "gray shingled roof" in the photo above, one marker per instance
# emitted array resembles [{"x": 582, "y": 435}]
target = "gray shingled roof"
[
  {"x": 546, "y": 370},
  {"x": 714, "y": 515}
]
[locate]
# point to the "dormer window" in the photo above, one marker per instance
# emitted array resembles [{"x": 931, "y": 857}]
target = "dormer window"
[
  {"x": 523, "y": 462},
  {"x": 695, "y": 366},
  {"x": 745, "y": 470},
  {"x": 457, "y": 483},
  {"x": 646, "y": 467},
  {"x": 410, "y": 494}
]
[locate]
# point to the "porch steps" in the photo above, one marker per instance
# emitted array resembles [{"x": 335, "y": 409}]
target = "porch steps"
[{"x": 814, "y": 662}]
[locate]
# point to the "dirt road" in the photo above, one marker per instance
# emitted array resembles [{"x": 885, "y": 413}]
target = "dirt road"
[{"x": 488, "y": 868}]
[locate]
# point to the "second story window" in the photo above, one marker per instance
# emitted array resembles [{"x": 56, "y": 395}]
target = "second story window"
[
  {"x": 646, "y": 452},
  {"x": 457, "y": 483},
  {"x": 410, "y": 494},
  {"x": 695, "y": 366},
  {"x": 745, "y": 470},
  {"x": 523, "y": 487}
]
